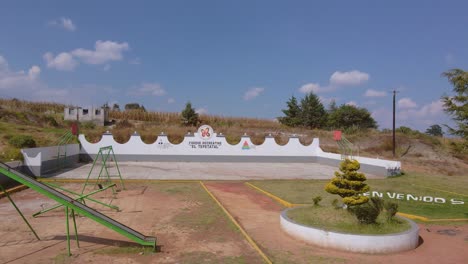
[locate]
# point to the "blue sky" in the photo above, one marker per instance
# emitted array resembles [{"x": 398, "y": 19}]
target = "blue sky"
[{"x": 235, "y": 58}]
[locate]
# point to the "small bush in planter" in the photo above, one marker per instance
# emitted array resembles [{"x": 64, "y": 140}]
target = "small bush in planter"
[
  {"x": 391, "y": 208},
  {"x": 368, "y": 213}
]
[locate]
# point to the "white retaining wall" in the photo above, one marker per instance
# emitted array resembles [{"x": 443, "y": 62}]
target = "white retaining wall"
[
  {"x": 373, "y": 244},
  {"x": 44, "y": 159},
  {"x": 215, "y": 148}
]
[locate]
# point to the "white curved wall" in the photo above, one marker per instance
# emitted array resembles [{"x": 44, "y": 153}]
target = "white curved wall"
[
  {"x": 190, "y": 146},
  {"x": 195, "y": 148},
  {"x": 373, "y": 244}
]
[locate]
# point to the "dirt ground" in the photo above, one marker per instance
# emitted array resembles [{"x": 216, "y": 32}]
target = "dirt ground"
[{"x": 190, "y": 228}]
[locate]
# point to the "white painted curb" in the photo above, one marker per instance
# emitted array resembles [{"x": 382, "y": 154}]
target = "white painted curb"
[{"x": 373, "y": 244}]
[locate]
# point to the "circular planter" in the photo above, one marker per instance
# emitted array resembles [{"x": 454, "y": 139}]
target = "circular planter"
[{"x": 373, "y": 244}]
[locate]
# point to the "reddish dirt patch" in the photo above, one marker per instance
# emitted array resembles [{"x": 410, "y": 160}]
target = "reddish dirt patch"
[
  {"x": 239, "y": 188},
  {"x": 441, "y": 244}
]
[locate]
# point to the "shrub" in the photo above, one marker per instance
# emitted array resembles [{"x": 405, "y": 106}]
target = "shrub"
[
  {"x": 391, "y": 208},
  {"x": 22, "y": 141},
  {"x": 317, "y": 200},
  {"x": 368, "y": 213},
  {"x": 50, "y": 120},
  {"x": 12, "y": 153}
]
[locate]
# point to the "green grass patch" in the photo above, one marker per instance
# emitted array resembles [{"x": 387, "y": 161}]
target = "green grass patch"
[
  {"x": 340, "y": 220},
  {"x": 200, "y": 212},
  {"x": 448, "y": 188}
]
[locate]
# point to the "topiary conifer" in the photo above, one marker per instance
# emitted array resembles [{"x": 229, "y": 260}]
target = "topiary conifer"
[{"x": 349, "y": 184}]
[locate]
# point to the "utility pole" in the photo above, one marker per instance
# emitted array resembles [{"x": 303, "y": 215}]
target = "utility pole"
[{"x": 394, "y": 95}]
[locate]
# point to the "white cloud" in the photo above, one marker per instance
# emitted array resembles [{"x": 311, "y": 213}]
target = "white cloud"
[
  {"x": 350, "y": 78},
  {"x": 65, "y": 23},
  {"x": 20, "y": 80},
  {"x": 419, "y": 118},
  {"x": 253, "y": 93},
  {"x": 310, "y": 87},
  {"x": 201, "y": 111},
  {"x": 104, "y": 51},
  {"x": 375, "y": 93},
  {"x": 428, "y": 114},
  {"x": 352, "y": 103},
  {"x": 154, "y": 89},
  {"x": 170, "y": 100},
  {"x": 34, "y": 72},
  {"x": 63, "y": 61},
  {"x": 3, "y": 64},
  {"x": 406, "y": 103},
  {"x": 27, "y": 85}
]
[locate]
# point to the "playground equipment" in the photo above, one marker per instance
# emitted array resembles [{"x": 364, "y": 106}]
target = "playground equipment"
[
  {"x": 79, "y": 197},
  {"x": 346, "y": 147},
  {"x": 76, "y": 206},
  {"x": 105, "y": 157},
  {"x": 19, "y": 212},
  {"x": 61, "y": 144}
]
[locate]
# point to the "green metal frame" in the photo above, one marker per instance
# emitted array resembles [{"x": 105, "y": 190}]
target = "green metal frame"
[
  {"x": 346, "y": 148},
  {"x": 80, "y": 198},
  {"x": 62, "y": 143},
  {"x": 78, "y": 207},
  {"x": 103, "y": 156},
  {"x": 19, "y": 211}
]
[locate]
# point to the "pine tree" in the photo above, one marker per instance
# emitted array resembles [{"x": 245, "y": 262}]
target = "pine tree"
[
  {"x": 349, "y": 184},
  {"x": 189, "y": 116},
  {"x": 293, "y": 113},
  {"x": 313, "y": 114},
  {"x": 457, "y": 105}
]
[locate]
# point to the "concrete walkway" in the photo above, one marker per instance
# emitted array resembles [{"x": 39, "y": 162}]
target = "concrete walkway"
[{"x": 208, "y": 171}]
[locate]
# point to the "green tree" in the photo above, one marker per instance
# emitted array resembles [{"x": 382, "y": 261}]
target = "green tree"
[
  {"x": 292, "y": 116},
  {"x": 456, "y": 106},
  {"x": 435, "y": 130},
  {"x": 347, "y": 116},
  {"x": 116, "y": 107},
  {"x": 349, "y": 184},
  {"x": 313, "y": 114},
  {"x": 332, "y": 106},
  {"x": 189, "y": 116},
  {"x": 134, "y": 106}
]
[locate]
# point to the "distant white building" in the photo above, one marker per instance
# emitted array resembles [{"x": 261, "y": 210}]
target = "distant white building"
[{"x": 99, "y": 116}]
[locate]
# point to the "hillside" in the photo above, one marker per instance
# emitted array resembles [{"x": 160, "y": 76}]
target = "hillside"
[{"x": 44, "y": 123}]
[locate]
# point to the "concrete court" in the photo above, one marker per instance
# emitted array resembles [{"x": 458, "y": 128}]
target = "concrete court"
[{"x": 208, "y": 171}]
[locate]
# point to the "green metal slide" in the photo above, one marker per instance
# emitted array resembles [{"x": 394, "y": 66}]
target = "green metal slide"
[{"x": 77, "y": 206}]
